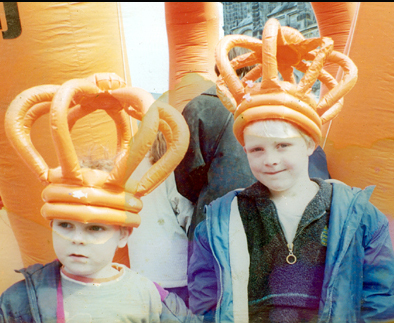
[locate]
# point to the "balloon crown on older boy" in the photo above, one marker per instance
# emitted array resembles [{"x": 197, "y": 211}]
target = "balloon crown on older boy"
[{"x": 280, "y": 50}]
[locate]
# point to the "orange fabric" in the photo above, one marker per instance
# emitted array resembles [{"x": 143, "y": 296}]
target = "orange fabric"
[
  {"x": 193, "y": 32},
  {"x": 84, "y": 194},
  {"x": 335, "y": 20},
  {"x": 360, "y": 142}
]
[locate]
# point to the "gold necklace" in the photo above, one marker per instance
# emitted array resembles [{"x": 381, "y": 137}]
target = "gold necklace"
[{"x": 291, "y": 258}]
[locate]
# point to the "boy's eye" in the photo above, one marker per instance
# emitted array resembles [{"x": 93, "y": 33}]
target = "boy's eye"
[
  {"x": 96, "y": 228},
  {"x": 256, "y": 149},
  {"x": 283, "y": 145},
  {"x": 65, "y": 225}
]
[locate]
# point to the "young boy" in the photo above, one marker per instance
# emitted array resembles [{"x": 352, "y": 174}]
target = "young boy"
[
  {"x": 83, "y": 285},
  {"x": 92, "y": 211},
  {"x": 288, "y": 248}
]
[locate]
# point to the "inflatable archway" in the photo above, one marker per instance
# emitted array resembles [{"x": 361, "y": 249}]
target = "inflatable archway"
[{"x": 49, "y": 43}]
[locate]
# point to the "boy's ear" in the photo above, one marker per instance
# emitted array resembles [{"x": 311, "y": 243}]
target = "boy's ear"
[
  {"x": 125, "y": 233},
  {"x": 311, "y": 148}
]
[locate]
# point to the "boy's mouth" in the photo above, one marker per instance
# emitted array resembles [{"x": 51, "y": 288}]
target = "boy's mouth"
[
  {"x": 274, "y": 173},
  {"x": 77, "y": 256}
]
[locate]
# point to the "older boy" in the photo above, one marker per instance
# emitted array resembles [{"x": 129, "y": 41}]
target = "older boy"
[{"x": 289, "y": 248}]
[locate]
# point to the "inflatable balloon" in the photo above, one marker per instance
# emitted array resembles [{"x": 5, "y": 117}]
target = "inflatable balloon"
[
  {"x": 282, "y": 49},
  {"x": 91, "y": 195},
  {"x": 335, "y": 20},
  {"x": 193, "y": 33}
]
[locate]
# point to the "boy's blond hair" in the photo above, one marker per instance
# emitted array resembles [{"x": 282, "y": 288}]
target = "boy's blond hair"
[
  {"x": 90, "y": 160},
  {"x": 274, "y": 128},
  {"x": 107, "y": 163}
]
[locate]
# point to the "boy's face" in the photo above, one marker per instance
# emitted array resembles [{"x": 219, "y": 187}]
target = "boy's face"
[
  {"x": 87, "y": 249},
  {"x": 278, "y": 163}
]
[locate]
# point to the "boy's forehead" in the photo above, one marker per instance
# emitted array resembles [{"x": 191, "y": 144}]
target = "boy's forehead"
[
  {"x": 256, "y": 139},
  {"x": 272, "y": 130}
]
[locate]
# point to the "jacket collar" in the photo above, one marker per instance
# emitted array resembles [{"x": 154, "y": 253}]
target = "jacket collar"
[{"x": 316, "y": 207}]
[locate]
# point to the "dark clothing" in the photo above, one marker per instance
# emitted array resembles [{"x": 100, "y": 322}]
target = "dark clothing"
[
  {"x": 358, "y": 281},
  {"x": 215, "y": 162},
  {"x": 181, "y": 292},
  {"x": 274, "y": 291},
  {"x": 317, "y": 167}
]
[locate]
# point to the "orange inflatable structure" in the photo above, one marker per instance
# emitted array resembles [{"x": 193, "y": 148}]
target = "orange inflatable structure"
[
  {"x": 193, "y": 33},
  {"x": 51, "y": 43},
  {"x": 84, "y": 194},
  {"x": 359, "y": 143}
]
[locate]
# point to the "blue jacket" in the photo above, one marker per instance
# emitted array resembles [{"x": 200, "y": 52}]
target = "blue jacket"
[
  {"x": 34, "y": 300},
  {"x": 359, "y": 272}
]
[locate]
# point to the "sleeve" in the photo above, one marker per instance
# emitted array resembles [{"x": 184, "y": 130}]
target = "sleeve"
[
  {"x": 175, "y": 310},
  {"x": 202, "y": 280},
  {"x": 378, "y": 285},
  {"x": 1, "y": 311},
  {"x": 14, "y": 304}
]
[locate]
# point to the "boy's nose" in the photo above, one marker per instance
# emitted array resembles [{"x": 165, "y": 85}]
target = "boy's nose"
[
  {"x": 271, "y": 159},
  {"x": 78, "y": 237}
]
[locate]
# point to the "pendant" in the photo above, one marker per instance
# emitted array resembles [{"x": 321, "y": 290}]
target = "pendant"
[{"x": 291, "y": 258}]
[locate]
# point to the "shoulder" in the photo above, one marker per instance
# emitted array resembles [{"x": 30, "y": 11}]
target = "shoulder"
[
  {"x": 16, "y": 293},
  {"x": 138, "y": 280},
  {"x": 355, "y": 198},
  {"x": 39, "y": 269},
  {"x": 354, "y": 203},
  {"x": 222, "y": 204},
  {"x": 14, "y": 302},
  {"x": 35, "y": 271},
  {"x": 228, "y": 197},
  {"x": 217, "y": 215},
  {"x": 204, "y": 105}
]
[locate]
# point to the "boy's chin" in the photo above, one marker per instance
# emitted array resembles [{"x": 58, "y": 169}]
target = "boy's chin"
[{"x": 277, "y": 189}]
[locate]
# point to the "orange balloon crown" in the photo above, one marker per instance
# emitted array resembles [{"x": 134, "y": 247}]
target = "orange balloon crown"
[
  {"x": 91, "y": 195},
  {"x": 280, "y": 50}
]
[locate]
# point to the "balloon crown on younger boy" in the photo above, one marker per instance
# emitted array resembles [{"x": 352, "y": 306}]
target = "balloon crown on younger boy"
[
  {"x": 90, "y": 195},
  {"x": 280, "y": 50}
]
